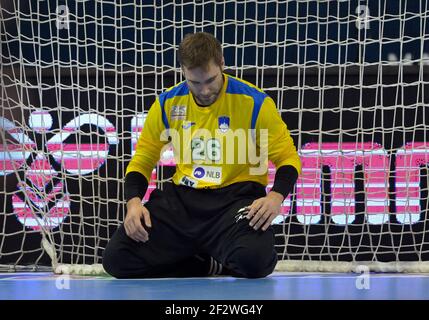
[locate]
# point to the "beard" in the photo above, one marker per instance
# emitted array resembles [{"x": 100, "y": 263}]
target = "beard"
[{"x": 206, "y": 101}]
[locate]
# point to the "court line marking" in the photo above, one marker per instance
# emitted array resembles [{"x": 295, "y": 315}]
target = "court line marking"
[{"x": 278, "y": 276}]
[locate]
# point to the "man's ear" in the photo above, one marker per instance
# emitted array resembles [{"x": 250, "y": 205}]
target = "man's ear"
[
  {"x": 183, "y": 72},
  {"x": 222, "y": 64}
]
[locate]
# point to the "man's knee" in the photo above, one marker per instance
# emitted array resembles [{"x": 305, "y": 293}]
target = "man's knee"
[
  {"x": 251, "y": 263},
  {"x": 119, "y": 260},
  {"x": 112, "y": 263},
  {"x": 122, "y": 266}
]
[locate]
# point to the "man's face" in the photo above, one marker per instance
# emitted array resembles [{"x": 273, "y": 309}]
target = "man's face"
[{"x": 205, "y": 83}]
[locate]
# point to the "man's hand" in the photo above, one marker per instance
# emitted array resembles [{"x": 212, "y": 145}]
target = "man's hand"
[
  {"x": 262, "y": 211},
  {"x": 133, "y": 225}
]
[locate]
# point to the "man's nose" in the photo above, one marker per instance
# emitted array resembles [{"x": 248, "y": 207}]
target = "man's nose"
[{"x": 205, "y": 90}]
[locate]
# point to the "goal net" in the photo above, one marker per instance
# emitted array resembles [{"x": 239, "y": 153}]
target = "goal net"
[{"x": 350, "y": 79}]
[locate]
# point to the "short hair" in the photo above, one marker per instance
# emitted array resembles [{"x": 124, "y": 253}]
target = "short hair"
[{"x": 198, "y": 49}]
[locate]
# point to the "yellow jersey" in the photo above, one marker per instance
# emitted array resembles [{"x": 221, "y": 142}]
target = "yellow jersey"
[{"x": 229, "y": 141}]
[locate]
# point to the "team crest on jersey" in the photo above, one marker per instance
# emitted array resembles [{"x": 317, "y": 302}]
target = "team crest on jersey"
[
  {"x": 223, "y": 124},
  {"x": 178, "y": 113}
]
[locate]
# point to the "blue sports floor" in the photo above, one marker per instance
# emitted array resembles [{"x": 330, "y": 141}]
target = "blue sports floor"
[{"x": 278, "y": 286}]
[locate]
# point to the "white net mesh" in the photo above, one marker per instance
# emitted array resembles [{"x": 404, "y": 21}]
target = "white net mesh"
[{"x": 350, "y": 79}]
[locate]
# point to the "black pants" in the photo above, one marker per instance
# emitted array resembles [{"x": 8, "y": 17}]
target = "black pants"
[{"x": 186, "y": 222}]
